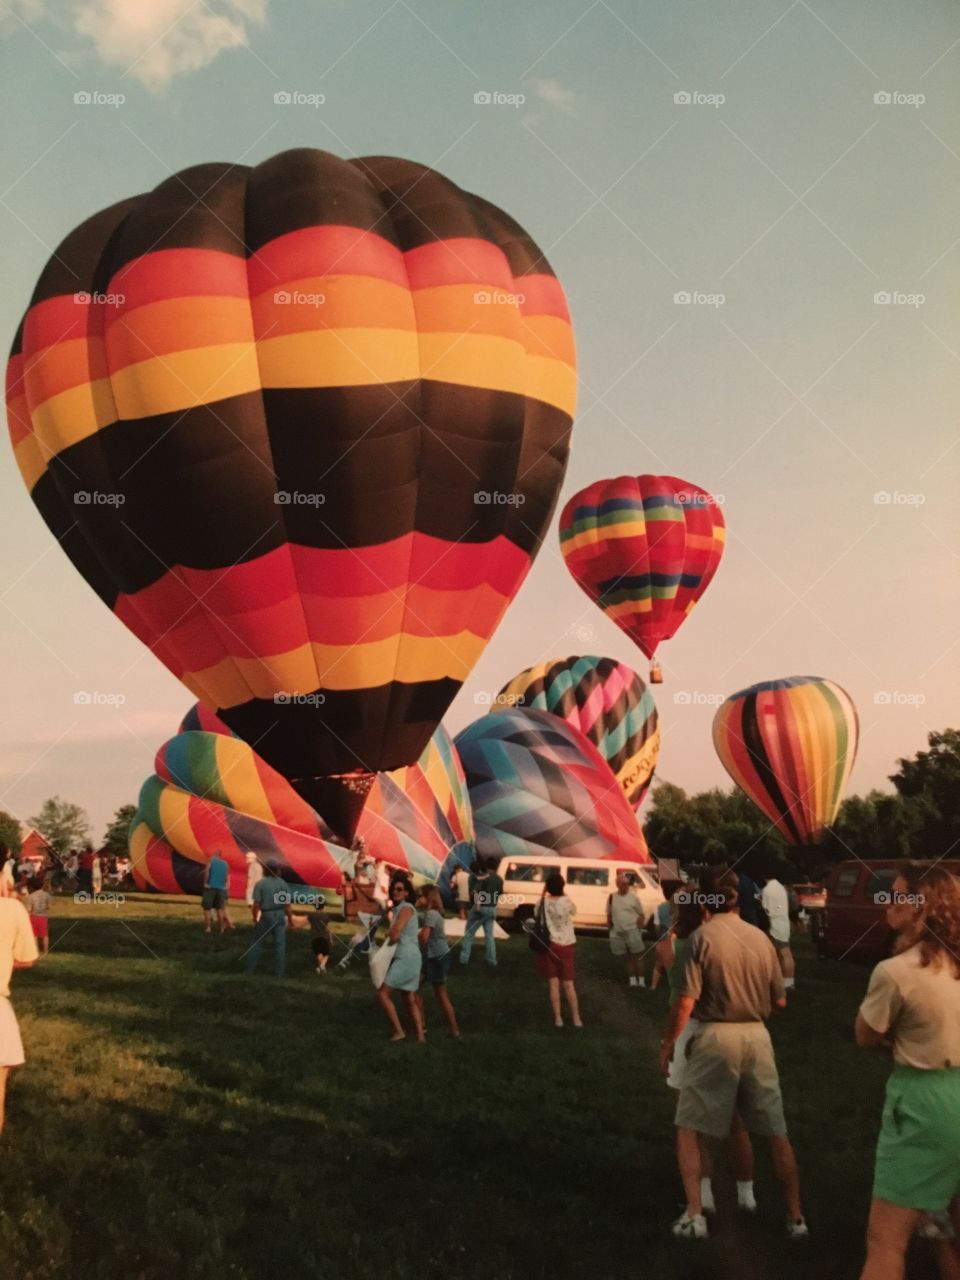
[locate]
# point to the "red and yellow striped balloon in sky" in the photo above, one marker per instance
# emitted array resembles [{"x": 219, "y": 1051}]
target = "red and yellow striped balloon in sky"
[
  {"x": 272, "y": 415},
  {"x": 790, "y": 745},
  {"x": 643, "y": 548}
]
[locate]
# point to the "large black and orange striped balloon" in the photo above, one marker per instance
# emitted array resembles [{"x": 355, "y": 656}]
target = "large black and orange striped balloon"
[{"x": 301, "y": 427}]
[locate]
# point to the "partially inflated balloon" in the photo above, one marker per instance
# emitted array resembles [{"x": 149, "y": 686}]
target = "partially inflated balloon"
[
  {"x": 210, "y": 791},
  {"x": 537, "y": 786},
  {"x": 274, "y": 415},
  {"x": 790, "y": 745},
  {"x": 643, "y": 548},
  {"x": 606, "y": 701}
]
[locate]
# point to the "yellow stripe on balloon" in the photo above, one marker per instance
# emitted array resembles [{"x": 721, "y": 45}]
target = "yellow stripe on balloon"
[
  {"x": 237, "y": 769},
  {"x": 310, "y": 666},
  {"x": 139, "y": 841},
  {"x": 73, "y": 415},
  {"x": 185, "y": 379},
  {"x": 597, "y": 533},
  {"x": 174, "y": 808}
]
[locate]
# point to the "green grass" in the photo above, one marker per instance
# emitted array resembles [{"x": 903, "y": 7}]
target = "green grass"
[{"x": 178, "y": 1120}]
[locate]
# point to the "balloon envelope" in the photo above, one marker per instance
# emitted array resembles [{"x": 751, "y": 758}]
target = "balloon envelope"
[
  {"x": 790, "y": 745},
  {"x": 273, "y": 415},
  {"x": 537, "y": 786},
  {"x": 644, "y": 549},
  {"x": 210, "y": 791},
  {"x": 608, "y": 702}
]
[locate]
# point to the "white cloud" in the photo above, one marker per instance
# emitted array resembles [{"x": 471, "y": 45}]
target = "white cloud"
[
  {"x": 151, "y": 40},
  {"x": 556, "y": 95}
]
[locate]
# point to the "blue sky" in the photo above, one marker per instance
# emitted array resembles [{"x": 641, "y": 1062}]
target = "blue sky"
[{"x": 784, "y": 187}]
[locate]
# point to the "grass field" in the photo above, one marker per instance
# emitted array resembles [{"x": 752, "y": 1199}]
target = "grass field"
[{"x": 178, "y": 1120}]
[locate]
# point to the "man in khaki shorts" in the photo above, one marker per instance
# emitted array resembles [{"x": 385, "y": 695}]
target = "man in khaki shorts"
[
  {"x": 731, "y": 985},
  {"x": 625, "y": 917}
]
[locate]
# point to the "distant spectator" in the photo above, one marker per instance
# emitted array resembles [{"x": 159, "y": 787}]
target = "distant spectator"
[
  {"x": 215, "y": 892},
  {"x": 18, "y": 950},
  {"x": 486, "y": 886},
  {"x": 367, "y": 910},
  {"x": 320, "y": 936},
  {"x": 85, "y": 872},
  {"x": 8, "y": 871},
  {"x": 556, "y": 964},
  {"x": 272, "y": 912},
  {"x": 912, "y": 1006},
  {"x": 436, "y": 954},
  {"x": 71, "y": 866},
  {"x": 462, "y": 884},
  {"x": 747, "y": 892},
  {"x": 39, "y": 908},
  {"x": 776, "y": 903},
  {"x": 96, "y": 874},
  {"x": 404, "y": 972},
  {"x": 625, "y": 920},
  {"x": 254, "y": 874},
  {"x": 666, "y": 911}
]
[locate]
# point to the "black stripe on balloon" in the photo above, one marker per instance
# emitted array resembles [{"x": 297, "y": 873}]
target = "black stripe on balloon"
[
  {"x": 344, "y": 731},
  {"x": 209, "y": 487},
  {"x": 188, "y": 873},
  {"x": 253, "y": 836},
  {"x": 758, "y": 756}
]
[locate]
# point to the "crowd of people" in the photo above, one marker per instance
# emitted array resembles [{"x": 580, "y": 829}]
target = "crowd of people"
[{"x": 722, "y": 945}]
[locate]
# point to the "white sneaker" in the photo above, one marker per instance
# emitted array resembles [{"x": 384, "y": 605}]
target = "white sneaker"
[
  {"x": 798, "y": 1230},
  {"x": 634, "y": 982},
  {"x": 690, "y": 1228},
  {"x": 706, "y": 1196},
  {"x": 745, "y": 1198}
]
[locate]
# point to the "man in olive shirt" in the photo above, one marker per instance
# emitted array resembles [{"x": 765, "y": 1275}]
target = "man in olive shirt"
[
  {"x": 271, "y": 911},
  {"x": 731, "y": 985}
]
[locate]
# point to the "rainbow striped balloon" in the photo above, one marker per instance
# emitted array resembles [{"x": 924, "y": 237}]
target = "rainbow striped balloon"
[
  {"x": 644, "y": 549},
  {"x": 608, "y": 702},
  {"x": 790, "y": 745},
  {"x": 211, "y": 791}
]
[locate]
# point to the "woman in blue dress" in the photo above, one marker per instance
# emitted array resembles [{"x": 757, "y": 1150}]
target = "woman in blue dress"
[{"x": 404, "y": 972}]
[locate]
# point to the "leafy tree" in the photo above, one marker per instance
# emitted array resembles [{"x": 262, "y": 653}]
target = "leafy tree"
[
  {"x": 115, "y": 839},
  {"x": 929, "y": 785},
  {"x": 63, "y": 825},
  {"x": 10, "y": 839}
]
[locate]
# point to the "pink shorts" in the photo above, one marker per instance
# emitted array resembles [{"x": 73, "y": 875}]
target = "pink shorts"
[{"x": 40, "y": 926}]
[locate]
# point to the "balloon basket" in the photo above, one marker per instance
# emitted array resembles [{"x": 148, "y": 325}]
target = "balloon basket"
[{"x": 656, "y": 675}]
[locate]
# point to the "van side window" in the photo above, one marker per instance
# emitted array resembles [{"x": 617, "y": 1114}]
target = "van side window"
[
  {"x": 528, "y": 872},
  {"x": 846, "y": 882},
  {"x": 595, "y": 877}
]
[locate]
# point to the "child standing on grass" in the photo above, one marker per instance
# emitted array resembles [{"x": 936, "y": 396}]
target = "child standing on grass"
[
  {"x": 320, "y": 936},
  {"x": 39, "y": 908},
  {"x": 436, "y": 954}
]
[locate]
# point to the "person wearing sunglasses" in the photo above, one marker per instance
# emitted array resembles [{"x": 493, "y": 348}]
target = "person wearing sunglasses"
[{"x": 404, "y": 972}]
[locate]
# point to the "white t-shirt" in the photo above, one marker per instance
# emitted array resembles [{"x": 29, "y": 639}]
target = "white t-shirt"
[
  {"x": 776, "y": 903},
  {"x": 626, "y": 911},
  {"x": 919, "y": 1006},
  {"x": 463, "y": 884},
  {"x": 17, "y": 942},
  {"x": 559, "y": 914}
]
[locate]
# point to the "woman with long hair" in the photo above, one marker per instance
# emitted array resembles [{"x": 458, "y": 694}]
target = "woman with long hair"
[
  {"x": 404, "y": 972},
  {"x": 555, "y": 964},
  {"x": 912, "y": 1007}
]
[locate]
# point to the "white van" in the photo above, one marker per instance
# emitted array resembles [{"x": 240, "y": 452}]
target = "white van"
[{"x": 589, "y": 881}]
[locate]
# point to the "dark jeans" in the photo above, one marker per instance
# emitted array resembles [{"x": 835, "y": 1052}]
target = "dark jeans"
[{"x": 270, "y": 922}]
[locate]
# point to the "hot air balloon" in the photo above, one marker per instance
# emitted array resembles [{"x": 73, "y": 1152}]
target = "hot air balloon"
[
  {"x": 538, "y": 786},
  {"x": 608, "y": 702},
  {"x": 790, "y": 745},
  {"x": 643, "y": 548},
  {"x": 210, "y": 791},
  {"x": 274, "y": 415}
]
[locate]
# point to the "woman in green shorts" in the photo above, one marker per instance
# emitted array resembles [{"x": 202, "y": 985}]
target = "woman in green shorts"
[{"x": 912, "y": 1006}]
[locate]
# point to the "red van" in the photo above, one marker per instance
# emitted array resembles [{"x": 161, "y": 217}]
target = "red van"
[{"x": 854, "y": 926}]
